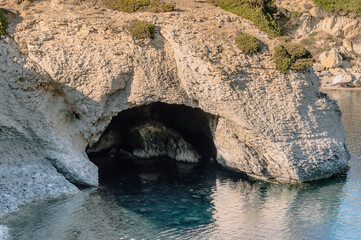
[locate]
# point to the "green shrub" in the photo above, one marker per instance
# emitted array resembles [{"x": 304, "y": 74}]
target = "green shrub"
[
  {"x": 247, "y": 43},
  {"x": 302, "y": 63},
  {"x": 295, "y": 13},
  {"x": 260, "y": 12},
  {"x": 158, "y": 6},
  {"x": 136, "y": 5},
  {"x": 167, "y": 7},
  {"x": 296, "y": 50},
  {"x": 340, "y": 5},
  {"x": 141, "y": 30},
  {"x": 127, "y": 5},
  {"x": 3, "y": 23},
  {"x": 284, "y": 39},
  {"x": 282, "y": 59},
  {"x": 293, "y": 56}
]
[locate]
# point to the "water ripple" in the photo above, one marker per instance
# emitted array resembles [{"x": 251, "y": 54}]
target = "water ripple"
[{"x": 208, "y": 204}]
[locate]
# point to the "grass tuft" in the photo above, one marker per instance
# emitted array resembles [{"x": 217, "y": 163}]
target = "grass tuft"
[
  {"x": 127, "y": 5},
  {"x": 3, "y": 23},
  {"x": 260, "y": 12},
  {"x": 282, "y": 60},
  {"x": 340, "y": 5},
  {"x": 301, "y": 64},
  {"x": 295, "y": 13},
  {"x": 296, "y": 50},
  {"x": 141, "y": 30},
  {"x": 247, "y": 43},
  {"x": 137, "y": 5},
  {"x": 293, "y": 56}
]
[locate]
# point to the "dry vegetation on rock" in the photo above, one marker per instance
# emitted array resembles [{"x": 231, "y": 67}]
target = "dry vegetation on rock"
[
  {"x": 3, "y": 23},
  {"x": 137, "y": 5},
  {"x": 293, "y": 56},
  {"x": 260, "y": 12},
  {"x": 340, "y": 5},
  {"x": 141, "y": 30},
  {"x": 247, "y": 43}
]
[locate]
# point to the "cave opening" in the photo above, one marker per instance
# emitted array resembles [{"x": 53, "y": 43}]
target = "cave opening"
[{"x": 155, "y": 137}]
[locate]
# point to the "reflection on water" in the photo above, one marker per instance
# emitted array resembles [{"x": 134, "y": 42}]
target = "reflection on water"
[
  {"x": 208, "y": 203},
  {"x": 349, "y": 217}
]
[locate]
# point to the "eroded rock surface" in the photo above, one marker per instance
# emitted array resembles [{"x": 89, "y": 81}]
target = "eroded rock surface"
[
  {"x": 4, "y": 232},
  {"x": 67, "y": 69},
  {"x": 153, "y": 139}
]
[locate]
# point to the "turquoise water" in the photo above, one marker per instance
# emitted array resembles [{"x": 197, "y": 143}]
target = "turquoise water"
[{"x": 206, "y": 203}]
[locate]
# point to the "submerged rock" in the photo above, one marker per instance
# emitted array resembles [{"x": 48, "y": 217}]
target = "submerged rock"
[{"x": 153, "y": 139}]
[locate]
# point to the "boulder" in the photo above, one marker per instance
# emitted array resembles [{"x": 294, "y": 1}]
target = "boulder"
[
  {"x": 357, "y": 80},
  {"x": 322, "y": 56},
  {"x": 356, "y": 83},
  {"x": 337, "y": 71},
  {"x": 326, "y": 74},
  {"x": 318, "y": 67},
  {"x": 153, "y": 139},
  {"x": 345, "y": 78},
  {"x": 347, "y": 44},
  {"x": 346, "y": 65},
  {"x": 332, "y": 60},
  {"x": 357, "y": 47},
  {"x": 345, "y": 53}
]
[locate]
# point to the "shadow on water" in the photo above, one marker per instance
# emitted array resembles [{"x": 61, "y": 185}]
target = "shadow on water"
[{"x": 186, "y": 203}]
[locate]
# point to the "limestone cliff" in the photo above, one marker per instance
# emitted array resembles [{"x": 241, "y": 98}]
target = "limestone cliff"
[{"x": 67, "y": 69}]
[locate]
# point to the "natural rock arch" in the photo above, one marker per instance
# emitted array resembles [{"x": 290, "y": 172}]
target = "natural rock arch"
[
  {"x": 61, "y": 89},
  {"x": 173, "y": 130}
]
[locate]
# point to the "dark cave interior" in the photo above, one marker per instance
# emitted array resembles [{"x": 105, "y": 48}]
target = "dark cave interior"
[{"x": 112, "y": 152}]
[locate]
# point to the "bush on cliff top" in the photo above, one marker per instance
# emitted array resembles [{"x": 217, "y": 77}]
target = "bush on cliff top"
[
  {"x": 247, "y": 43},
  {"x": 127, "y": 5},
  {"x": 136, "y": 5},
  {"x": 159, "y": 6},
  {"x": 141, "y": 30},
  {"x": 282, "y": 59},
  {"x": 340, "y": 5},
  {"x": 260, "y": 12},
  {"x": 3, "y": 23},
  {"x": 293, "y": 56}
]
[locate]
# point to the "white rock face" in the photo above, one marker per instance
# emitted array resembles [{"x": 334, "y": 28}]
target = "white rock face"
[
  {"x": 154, "y": 140},
  {"x": 27, "y": 170},
  {"x": 346, "y": 78},
  {"x": 4, "y": 233},
  {"x": 66, "y": 70}
]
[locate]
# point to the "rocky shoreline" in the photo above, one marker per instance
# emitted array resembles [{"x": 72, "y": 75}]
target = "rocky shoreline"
[
  {"x": 67, "y": 69},
  {"x": 333, "y": 39}
]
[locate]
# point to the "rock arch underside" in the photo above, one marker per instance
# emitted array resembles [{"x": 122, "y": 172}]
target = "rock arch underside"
[
  {"x": 154, "y": 134},
  {"x": 65, "y": 76}
]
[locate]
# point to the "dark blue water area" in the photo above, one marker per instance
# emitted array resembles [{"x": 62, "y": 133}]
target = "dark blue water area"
[{"x": 179, "y": 201}]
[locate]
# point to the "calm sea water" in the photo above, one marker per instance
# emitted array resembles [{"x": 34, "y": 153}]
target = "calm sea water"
[{"x": 206, "y": 203}]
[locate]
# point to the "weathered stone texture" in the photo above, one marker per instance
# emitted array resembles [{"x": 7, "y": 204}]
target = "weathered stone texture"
[{"x": 66, "y": 70}]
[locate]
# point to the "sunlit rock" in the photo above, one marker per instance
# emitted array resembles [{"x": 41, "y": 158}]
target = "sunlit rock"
[{"x": 70, "y": 69}]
